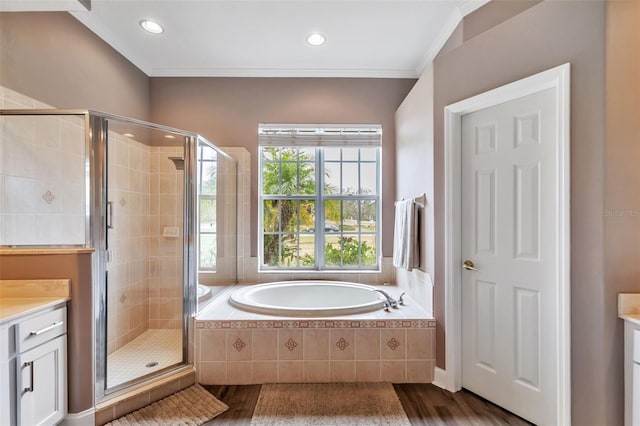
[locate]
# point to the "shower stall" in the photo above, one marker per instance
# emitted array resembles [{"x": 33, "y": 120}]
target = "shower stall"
[{"x": 151, "y": 201}]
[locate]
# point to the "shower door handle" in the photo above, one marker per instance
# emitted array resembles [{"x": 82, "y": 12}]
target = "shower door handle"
[{"x": 109, "y": 214}]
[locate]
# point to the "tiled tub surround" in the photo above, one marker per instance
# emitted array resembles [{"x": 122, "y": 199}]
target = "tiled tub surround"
[{"x": 238, "y": 347}]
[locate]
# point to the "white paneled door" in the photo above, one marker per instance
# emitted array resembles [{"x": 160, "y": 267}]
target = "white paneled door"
[{"x": 509, "y": 210}]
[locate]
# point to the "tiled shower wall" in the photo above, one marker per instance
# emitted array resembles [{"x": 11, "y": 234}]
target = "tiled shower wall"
[
  {"x": 145, "y": 274},
  {"x": 166, "y": 213},
  {"x": 42, "y": 176},
  {"x": 128, "y": 239}
]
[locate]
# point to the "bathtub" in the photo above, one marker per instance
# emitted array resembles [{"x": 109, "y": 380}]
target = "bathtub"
[
  {"x": 307, "y": 298},
  {"x": 204, "y": 293}
]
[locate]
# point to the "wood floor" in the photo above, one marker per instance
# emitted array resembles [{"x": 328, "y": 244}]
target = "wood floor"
[{"x": 425, "y": 405}]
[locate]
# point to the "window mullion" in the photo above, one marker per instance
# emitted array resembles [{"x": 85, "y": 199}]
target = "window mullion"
[
  {"x": 319, "y": 220},
  {"x": 379, "y": 208}
]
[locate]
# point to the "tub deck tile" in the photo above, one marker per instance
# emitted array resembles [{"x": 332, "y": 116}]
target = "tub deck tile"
[{"x": 396, "y": 346}]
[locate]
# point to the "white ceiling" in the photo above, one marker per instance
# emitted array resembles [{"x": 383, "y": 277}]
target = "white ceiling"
[{"x": 266, "y": 38}]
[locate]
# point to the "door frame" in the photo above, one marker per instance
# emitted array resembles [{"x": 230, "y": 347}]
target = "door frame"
[{"x": 557, "y": 78}]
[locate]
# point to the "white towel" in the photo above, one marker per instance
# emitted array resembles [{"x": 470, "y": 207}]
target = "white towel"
[{"x": 405, "y": 239}]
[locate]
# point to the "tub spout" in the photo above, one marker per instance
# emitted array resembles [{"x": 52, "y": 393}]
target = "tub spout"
[{"x": 391, "y": 302}]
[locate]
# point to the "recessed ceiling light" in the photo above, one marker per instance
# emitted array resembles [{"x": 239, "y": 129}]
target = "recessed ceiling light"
[
  {"x": 129, "y": 135},
  {"x": 316, "y": 39},
  {"x": 151, "y": 26},
  {"x": 169, "y": 136}
]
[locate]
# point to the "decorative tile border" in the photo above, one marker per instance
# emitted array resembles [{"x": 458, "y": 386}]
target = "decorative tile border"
[{"x": 329, "y": 323}]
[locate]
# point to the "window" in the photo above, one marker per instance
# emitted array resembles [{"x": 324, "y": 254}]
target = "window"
[
  {"x": 207, "y": 181},
  {"x": 319, "y": 198}
]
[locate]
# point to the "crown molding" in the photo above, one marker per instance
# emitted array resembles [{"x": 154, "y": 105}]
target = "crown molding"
[
  {"x": 44, "y": 5},
  {"x": 284, "y": 72}
]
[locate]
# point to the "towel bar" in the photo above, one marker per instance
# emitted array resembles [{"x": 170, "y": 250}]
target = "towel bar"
[{"x": 420, "y": 200}]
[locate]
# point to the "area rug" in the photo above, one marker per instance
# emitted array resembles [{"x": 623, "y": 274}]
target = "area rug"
[
  {"x": 345, "y": 404},
  {"x": 192, "y": 406}
]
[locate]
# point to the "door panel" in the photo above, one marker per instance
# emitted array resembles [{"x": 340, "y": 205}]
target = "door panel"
[
  {"x": 527, "y": 196},
  {"x": 485, "y": 325},
  {"x": 486, "y": 211},
  {"x": 527, "y": 338},
  {"x": 508, "y": 229}
]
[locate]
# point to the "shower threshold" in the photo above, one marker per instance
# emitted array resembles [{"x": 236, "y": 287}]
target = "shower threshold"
[{"x": 153, "y": 350}]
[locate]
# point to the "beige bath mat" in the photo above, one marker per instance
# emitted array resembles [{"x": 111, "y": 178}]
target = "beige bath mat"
[
  {"x": 191, "y": 406},
  {"x": 348, "y": 404}
]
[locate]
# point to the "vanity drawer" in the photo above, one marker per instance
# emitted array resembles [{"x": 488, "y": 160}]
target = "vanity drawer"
[{"x": 39, "y": 329}]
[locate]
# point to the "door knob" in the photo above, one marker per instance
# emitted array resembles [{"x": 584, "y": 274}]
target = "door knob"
[{"x": 468, "y": 265}]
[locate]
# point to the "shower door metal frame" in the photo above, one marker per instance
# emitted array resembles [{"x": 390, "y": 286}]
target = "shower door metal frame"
[{"x": 99, "y": 134}]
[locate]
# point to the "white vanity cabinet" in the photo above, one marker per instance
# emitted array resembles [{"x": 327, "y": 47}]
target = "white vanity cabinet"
[
  {"x": 632, "y": 373},
  {"x": 635, "y": 382},
  {"x": 34, "y": 368}
]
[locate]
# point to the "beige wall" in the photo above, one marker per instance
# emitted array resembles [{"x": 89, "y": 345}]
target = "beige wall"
[
  {"x": 51, "y": 58},
  {"x": 57, "y": 60},
  {"x": 414, "y": 176},
  {"x": 604, "y": 153},
  {"x": 621, "y": 195},
  {"x": 227, "y": 112}
]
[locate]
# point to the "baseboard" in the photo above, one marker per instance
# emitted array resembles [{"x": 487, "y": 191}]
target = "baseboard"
[
  {"x": 440, "y": 378},
  {"x": 84, "y": 418}
]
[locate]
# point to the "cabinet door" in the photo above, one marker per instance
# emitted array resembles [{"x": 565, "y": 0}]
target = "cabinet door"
[
  {"x": 42, "y": 383},
  {"x": 635, "y": 402}
]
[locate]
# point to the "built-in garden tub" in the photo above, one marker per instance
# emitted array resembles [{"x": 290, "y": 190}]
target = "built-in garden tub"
[
  {"x": 295, "y": 332},
  {"x": 308, "y": 298}
]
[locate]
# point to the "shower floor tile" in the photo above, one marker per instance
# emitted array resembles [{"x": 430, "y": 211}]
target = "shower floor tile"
[{"x": 161, "y": 346}]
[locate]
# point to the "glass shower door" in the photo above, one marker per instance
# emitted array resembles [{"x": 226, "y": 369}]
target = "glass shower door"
[{"x": 145, "y": 228}]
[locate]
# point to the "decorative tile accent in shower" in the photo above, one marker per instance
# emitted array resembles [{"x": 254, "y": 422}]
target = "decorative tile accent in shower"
[
  {"x": 48, "y": 197},
  {"x": 293, "y": 350}
]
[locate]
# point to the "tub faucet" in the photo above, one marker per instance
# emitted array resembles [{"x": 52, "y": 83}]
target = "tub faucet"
[{"x": 391, "y": 302}]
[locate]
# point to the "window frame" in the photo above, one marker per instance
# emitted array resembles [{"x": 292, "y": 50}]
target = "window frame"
[
  {"x": 201, "y": 162},
  {"x": 319, "y": 198}
]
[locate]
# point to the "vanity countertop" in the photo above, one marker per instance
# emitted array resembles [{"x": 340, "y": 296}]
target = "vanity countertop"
[
  {"x": 23, "y": 297},
  {"x": 629, "y": 307}
]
